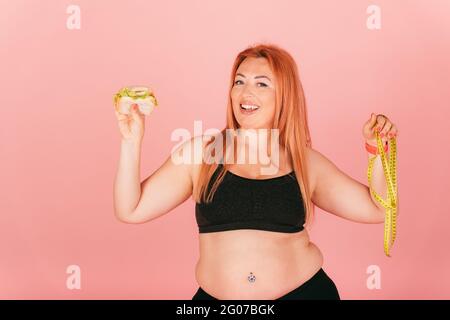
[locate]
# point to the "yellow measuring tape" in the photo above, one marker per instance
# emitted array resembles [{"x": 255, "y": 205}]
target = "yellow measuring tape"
[{"x": 390, "y": 204}]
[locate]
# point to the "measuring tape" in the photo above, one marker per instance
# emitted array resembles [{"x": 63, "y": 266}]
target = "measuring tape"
[{"x": 390, "y": 204}]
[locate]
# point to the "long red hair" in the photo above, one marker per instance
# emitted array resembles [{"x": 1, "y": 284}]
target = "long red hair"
[{"x": 290, "y": 119}]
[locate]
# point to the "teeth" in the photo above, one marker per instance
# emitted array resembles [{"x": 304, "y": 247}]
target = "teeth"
[{"x": 249, "y": 107}]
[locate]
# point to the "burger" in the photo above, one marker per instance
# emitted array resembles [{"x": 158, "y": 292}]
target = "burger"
[{"x": 141, "y": 95}]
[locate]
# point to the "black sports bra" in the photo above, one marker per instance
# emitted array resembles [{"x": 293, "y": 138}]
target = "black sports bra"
[{"x": 273, "y": 204}]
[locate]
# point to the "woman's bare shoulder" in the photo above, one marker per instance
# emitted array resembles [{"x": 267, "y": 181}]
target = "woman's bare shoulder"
[{"x": 198, "y": 151}]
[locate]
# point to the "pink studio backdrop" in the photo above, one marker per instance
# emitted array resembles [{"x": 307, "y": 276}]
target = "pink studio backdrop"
[{"x": 60, "y": 139}]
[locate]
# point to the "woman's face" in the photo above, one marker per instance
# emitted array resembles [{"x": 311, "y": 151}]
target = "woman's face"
[{"x": 254, "y": 85}]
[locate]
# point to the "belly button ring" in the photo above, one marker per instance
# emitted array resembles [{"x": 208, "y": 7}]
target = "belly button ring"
[{"x": 251, "y": 277}]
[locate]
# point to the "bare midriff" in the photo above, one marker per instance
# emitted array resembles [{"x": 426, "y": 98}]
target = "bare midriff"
[{"x": 279, "y": 262}]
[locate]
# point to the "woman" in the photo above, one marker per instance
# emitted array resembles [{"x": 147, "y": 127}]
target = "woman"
[{"x": 252, "y": 226}]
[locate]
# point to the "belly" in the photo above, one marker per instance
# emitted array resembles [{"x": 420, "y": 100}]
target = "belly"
[{"x": 279, "y": 262}]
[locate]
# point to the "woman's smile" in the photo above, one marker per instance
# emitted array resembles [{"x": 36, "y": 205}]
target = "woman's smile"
[{"x": 247, "y": 109}]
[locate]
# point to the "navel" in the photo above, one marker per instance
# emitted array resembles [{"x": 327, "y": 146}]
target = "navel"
[{"x": 251, "y": 277}]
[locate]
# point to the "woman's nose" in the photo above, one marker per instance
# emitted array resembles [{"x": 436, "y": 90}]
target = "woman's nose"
[{"x": 247, "y": 91}]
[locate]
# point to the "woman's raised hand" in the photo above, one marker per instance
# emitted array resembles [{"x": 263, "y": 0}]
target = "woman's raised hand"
[{"x": 132, "y": 125}]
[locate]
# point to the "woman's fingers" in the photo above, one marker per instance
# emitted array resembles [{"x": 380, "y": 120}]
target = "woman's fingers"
[
  {"x": 135, "y": 113},
  {"x": 387, "y": 126},
  {"x": 381, "y": 124},
  {"x": 393, "y": 132},
  {"x": 381, "y": 120},
  {"x": 120, "y": 116}
]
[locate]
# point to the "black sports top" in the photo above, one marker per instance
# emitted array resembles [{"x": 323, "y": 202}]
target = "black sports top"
[{"x": 273, "y": 204}]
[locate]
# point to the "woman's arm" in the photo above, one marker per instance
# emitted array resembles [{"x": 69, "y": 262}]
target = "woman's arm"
[
  {"x": 339, "y": 194},
  {"x": 169, "y": 186},
  {"x": 127, "y": 185}
]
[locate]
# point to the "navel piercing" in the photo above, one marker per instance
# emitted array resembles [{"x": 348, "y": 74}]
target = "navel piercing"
[{"x": 251, "y": 277}]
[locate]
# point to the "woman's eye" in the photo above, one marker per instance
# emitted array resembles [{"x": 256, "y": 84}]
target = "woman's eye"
[{"x": 264, "y": 85}]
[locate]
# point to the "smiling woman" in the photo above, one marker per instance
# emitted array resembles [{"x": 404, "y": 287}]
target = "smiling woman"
[
  {"x": 243, "y": 220},
  {"x": 265, "y": 93},
  {"x": 253, "y": 227}
]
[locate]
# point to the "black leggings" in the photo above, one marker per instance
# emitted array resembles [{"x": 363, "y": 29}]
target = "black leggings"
[{"x": 319, "y": 287}]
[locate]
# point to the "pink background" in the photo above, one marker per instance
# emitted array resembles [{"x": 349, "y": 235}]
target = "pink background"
[{"x": 60, "y": 139}]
